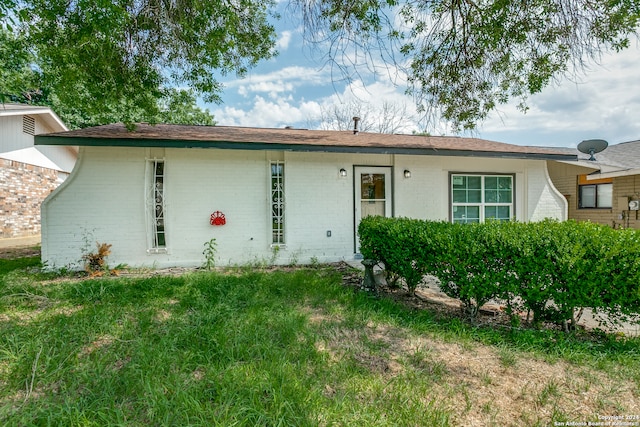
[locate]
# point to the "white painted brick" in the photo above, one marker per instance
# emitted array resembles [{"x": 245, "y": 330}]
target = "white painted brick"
[{"x": 104, "y": 199}]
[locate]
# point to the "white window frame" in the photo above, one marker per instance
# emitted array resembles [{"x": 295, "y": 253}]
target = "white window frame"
[
  {"x": 481, "y": 204},
  {"x": 152, "y": 204},
  {"x": 277, "y": 200}
]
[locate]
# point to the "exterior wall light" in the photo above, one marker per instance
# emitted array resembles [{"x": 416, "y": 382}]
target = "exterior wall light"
[
  {"x": 343, "y": 172},
  {"x": 407, "y": 173}
]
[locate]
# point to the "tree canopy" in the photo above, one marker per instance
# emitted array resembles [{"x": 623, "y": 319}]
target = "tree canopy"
[
  {"x": 118, "y": 58},
  {"x": 126, "y": 60}
]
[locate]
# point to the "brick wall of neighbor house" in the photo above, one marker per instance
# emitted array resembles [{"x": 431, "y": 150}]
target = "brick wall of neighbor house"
[
  {"x": 565, "y": 178},
  {"x": 626, "y": 188},
  {"x": 23, "y": 187}
]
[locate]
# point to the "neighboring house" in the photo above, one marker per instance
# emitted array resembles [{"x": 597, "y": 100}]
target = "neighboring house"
[
  {"x": 600, "y": 190},
  {"x": 28, "y": 173},
  {"x": 157, "y": 194}
]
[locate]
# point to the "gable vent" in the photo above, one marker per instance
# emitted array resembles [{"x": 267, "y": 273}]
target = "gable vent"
[{"x": 29, "y": 125}]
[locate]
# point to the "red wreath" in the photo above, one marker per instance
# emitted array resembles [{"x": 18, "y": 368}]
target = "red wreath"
[{"x": 217, "y": 218}]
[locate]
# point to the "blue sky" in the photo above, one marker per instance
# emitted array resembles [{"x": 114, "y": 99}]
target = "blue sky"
[{"x": 292, "y": 89}]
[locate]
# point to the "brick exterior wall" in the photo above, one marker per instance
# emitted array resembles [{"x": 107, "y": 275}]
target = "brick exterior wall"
[
  {"x": 565, "y": 178},
  {"x": 626, "y": 188},
  {"x": 23, "y": 187}
]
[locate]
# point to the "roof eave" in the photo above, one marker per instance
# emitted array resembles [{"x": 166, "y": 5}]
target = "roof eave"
[
  {"x": 616, "y": 174},
  {"x": 46, "y": 114},
  {"x": 179, "y": 143}
]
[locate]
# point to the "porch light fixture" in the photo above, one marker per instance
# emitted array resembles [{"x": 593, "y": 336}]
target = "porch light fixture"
[
  {"x": 343, "y": 172},
  {"x": 407, "y": 173}
]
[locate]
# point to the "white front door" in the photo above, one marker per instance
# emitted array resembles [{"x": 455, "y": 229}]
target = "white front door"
[{"x": 373, "y": 194}]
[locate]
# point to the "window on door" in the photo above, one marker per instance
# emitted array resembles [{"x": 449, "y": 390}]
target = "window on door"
[
  {"x": 372, "y": 194},
  {"x": 477, "y": 198}
]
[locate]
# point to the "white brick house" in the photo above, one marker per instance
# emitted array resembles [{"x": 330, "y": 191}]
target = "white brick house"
[
  {"x": 151, "y": 193},
  {"x": 28, "y": 173}
]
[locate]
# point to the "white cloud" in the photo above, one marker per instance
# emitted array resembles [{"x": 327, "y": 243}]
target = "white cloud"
[
  {"x": 284, "y": 40},
  {"x": 283, "y": 110},
  {"x": 295, "y": 75},
  {"x": 272, "y": 88},
  {"x": 602, "y": 104},
  {"x": 268, "y": 113}
]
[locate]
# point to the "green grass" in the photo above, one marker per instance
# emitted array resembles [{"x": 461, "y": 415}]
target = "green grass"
[
  {"x": 8, "y": 265},
  {"x": 252, "y": 348}
]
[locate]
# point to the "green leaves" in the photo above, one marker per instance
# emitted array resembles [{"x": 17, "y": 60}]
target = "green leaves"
[
  {"x": 17, "y": 79},
  {"x": 550, "y": 268},
  {"x": 102, "y": 57}
]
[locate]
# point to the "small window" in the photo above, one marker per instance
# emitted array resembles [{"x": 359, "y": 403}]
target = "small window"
[
  {"x": 595, "y": 193},
  {"x": 277, "y": 203},
  {"x": 156, "y": 203},
  {"x": 477, "y": 198},
  {"x": 595, "y": 196}
]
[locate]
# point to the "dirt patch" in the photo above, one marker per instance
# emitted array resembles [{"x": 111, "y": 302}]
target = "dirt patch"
[
  {"x": 98, "y": 344},
  {"x": 19, "y": 252}
]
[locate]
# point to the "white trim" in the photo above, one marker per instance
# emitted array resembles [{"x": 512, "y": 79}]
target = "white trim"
[
  {"x": 628, "y": 172},
  {"x": 30, "y": 110},
  {"x": 358, "y": 171},
  {"x": 482, "y": 204},
  {"x": 149, "y": 202},
  {"x": 31, "y": 156}
]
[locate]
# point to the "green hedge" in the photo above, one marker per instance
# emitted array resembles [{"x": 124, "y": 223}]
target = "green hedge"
[{"x": 550, "y": 269}]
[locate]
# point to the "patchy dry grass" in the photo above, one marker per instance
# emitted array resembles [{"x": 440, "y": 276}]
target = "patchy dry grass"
[
  {"x": 475, "y": 384},
  {"x": 285, "y": 348}
]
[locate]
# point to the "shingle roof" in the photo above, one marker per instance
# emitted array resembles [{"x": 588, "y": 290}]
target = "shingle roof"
[
  {"x": 624, "y": 156},
  {"x": 182, "y": 136}
]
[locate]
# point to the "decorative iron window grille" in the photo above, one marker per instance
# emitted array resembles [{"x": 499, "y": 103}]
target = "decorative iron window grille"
[
  {"x": 277, "y": 203},
  {"x": 158, "y": 231}
]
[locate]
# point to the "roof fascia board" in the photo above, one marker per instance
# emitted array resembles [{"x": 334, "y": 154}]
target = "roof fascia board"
[
  {"x": 178, "y": 143},
  {"x": 50, "y": 117},
  {"x": 55, "y": 121},
  {"x": 618, "y": 174},
  {"x": 574, "y": 162}
]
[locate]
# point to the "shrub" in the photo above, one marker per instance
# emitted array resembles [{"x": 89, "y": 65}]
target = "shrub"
[
  {"x": 407, "y": 247},
  {"x": 95, "y": 262},
  {"x": 551, "y": 269},
  {"x": 464, "y": 267}
]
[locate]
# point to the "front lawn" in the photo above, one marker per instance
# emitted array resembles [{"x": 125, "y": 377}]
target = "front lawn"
[{"x": 296, "y": 347}]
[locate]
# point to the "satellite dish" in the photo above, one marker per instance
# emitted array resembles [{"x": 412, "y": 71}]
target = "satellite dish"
[{"x": 592, "y": 146}]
